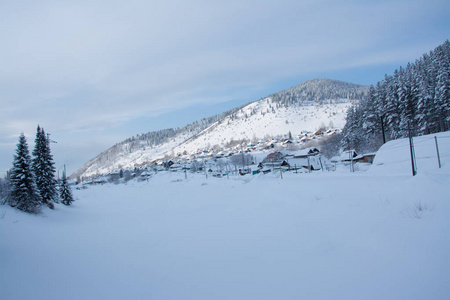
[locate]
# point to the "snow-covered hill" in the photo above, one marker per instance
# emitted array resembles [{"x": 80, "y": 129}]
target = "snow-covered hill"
[
  {"x": 306, "y": 107},
  {"x": 257, "y": 121}
]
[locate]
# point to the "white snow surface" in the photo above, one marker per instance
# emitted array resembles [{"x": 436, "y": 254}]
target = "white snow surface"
[{"x": 378, "y": 234}]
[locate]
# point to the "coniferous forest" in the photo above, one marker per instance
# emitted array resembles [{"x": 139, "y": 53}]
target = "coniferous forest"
[
  {"x": 415, "y": 99},
  {"x": 31, "y": 182}
]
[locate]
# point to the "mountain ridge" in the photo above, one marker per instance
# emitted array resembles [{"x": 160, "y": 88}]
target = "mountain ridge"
[{"x": 285, "y": 110}]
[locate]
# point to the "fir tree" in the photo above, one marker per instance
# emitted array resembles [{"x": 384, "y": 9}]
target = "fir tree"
[
  {"x": 5, "y": 189},
  {"x": 64, "y": 190},
  {"x": 38, "y": 161},
  {"x": 353, "y": 132},
  {"x": 44, "y": 170},
  {"x": 442, "y": 89},
  {"x": 370, "y": 124},
  {"x": 24, "y": 193}
]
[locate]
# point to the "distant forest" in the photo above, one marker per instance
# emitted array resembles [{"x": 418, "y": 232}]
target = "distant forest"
[
  {"x": 320, "y": 91},
  {"x": 415, "y": 98}
]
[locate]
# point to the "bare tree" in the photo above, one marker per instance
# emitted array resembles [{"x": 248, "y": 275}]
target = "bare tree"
[
  {"x": 241, "y": 160},
  {"x": 195, "y": 166},
  {"x": 221, "y": 164},
  {"x": 330, "y": 146}
]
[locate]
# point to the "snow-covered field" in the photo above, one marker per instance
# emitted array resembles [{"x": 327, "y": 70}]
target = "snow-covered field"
[{"x": 378, "y": 234}]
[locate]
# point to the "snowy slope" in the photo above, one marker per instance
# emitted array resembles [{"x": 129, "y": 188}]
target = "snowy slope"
[
  {"x": 380, "y": 234},
  {"x": 121, "y": 157},
  {"x": 394, "y": 158},
  {"x": 303, "y": 107},
  {"x": 243, "y": 125}
]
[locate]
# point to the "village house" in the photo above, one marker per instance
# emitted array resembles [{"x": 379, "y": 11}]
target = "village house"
[
  {"x": 365, "y": 158},
  {"x": 274, "y": 157},
  {"x": 346, "y": 156},
  {"x": 304, "y": 153}
]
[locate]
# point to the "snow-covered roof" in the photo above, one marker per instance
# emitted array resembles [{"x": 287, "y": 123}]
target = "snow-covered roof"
[
  {"x": 345, "y": 156},
  {"x": 306, "y": 151}
]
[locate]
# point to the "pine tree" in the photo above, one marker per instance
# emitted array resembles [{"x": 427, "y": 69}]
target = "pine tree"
[
  {"x": 371, "y": 118},
  {"x": 65, "y": 192},
  {"x": 44, "y": 170},
  {"x": 392, "y": 104},
  {"x": 38, "y": 161},
  {"x": 5, "y": 189},
  {"x": 353, "y": 132},
  {"x": 407, "y": 101},
  {"x": 430, "y": 79},
  {"x": 442, "y": 89},
  {"x": 51, "y": 189},
  {"x": 24, "y": 193}
]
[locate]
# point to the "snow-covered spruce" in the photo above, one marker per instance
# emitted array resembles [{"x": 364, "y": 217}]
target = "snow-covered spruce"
[
  {"x": 65, "y": 192},
  {"x": 24, "y": 193},
  {"x": 44, "y": 170}
]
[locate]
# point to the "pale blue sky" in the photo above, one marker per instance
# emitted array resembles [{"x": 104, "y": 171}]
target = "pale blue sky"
[{"x": 94, "y": 73}]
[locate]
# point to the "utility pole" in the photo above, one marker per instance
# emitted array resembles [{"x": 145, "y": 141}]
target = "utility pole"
[
  {"x": 350, "y": 156},
  {"x": 351, "y": 162},
  {"x": 411, "y": 148},
  {"x": 49, "y": 140},
  {"x": 437, "y": 150},
  {"x": 309, "y": 164},
  {"x": 382, "y": 130},
  {"x": 243, "y": 162}
]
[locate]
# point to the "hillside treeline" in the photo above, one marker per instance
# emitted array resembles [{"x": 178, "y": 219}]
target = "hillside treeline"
[{"x": 415, "y": 98}]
